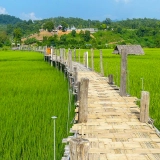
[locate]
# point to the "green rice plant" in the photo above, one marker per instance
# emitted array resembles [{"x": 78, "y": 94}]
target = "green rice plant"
[{"x": 31, "y": 92}]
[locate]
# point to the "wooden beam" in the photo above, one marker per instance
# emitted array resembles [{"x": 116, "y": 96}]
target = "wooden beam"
[
  {"x": 110, "y": 77},
  {"x": 64, "y": 56},
  {"x": 75, "y": 75},
  {"x": 83, "y": 101},
  {"x": 101, "y": 63},
  {"x": 86, "y": 59},
  {"x": 144, "y": 107},
  {"x": 92, "y": 59},
  {"x": 123, "y": 73},
  {"x": 70, "y": 60},
  {"x": 78, "y": 95},
  {"x": 79, "y": 149},
  {"x": 75, "y": 54},
  {"x": 56, "y": 58},
  {"x": 52, "y": 55},
  {"x": 79, "y": 56}
]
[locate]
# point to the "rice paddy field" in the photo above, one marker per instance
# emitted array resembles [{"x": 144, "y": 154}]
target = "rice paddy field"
[
  {"x": 31, "y": 92},
  {"x": 143, "y": 74}
]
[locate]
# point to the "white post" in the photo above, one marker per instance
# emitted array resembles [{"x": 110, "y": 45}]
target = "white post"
[{"x": 54, "y": 118}]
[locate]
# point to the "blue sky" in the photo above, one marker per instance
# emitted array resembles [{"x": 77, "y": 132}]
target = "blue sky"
[{"x": 86, "y": 9}]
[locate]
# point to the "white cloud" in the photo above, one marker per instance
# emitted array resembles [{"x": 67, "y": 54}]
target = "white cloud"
[
  {"x": 124, "y": 1},
  {"x": 3, "y": 10},
  {"x": 31, "y": 16}
]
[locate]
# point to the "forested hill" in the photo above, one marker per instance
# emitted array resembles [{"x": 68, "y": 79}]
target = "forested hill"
[
  {"x": 143, "y": 31},
  {"x": 137, "y": 23},
  {"x": 7, "y": 19}
]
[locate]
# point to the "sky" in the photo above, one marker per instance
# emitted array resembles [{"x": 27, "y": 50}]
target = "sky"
[{"x": 85, "y": 9}]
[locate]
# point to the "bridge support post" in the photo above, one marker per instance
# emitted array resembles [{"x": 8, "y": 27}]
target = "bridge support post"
[
  {"x": 83, "y": 101},
  {"x": 110, "y": 77},
  {"x": 92, "y": 59},
  {"x": 101, "y": 63},
  {"x": 61, "y": 59},
  {"x": 75, "y": 75},
  {"x": 64, "y": 58},
  {"x": 70, "y": 60},
  {"x": 75, "y": 54},
  {"x": 79, "y": 56},
  {"x": 56, "y": 58},
  {"x": 51, "y": 56},
  {"x": 144, "y": 106},
  {"x": 86, "y": 59},
  {"x": 78, "y": 91},
  {"x": 123, "y": 72},
  {"x": 79, "y": 149}
]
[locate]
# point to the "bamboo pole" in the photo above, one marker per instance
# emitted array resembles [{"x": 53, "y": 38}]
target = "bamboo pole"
[
  {"x": 75, "y": 55},
  {"x": 79, "y": 56},
  {"x": 110, "y": 77},
  {"x": 123, "y": 72},
  {"x": 92, "y": 59},
  {"x": 79, "y": 149},
  {"x": 101, "y": 63},
  {"x": 75, "y": 75},
  {"x": 51, "y": 56},
  {"x": 144, "y": 107},
  {"x": 83, "y": 101}
]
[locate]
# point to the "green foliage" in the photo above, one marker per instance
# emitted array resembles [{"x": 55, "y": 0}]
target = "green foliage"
[
  {"x": 130, "y": 31},
  {"x": 17, "y": 35},
  {"x": 73, "y": 33},
  {"x": 108, "y": 21},
  {"x": 49, "y": 26},
  {"x": 29, "y": 41},
  {"x": 4, "y": 40},
  {"x": 87, "y": 36},
  {"x": 7, "y": 19},
  {"x": 103, "y": 26},
  {"x": 64, "y": 26}
]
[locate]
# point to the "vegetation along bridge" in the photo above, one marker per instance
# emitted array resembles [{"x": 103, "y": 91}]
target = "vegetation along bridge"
[{"x": 108, "y": 124}]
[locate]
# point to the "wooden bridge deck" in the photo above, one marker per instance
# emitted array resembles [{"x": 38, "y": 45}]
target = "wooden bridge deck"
[{"x": 113, "y": 127}]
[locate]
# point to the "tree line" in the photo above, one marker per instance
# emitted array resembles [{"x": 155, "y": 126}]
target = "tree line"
[{"x": 110, "y": 33}]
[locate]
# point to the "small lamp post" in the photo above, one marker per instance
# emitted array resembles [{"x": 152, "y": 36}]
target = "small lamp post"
[{"x": 54, "y": 118}]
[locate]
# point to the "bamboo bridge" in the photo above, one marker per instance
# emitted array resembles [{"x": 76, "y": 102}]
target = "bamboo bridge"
[{"x": 109, "y": 125}]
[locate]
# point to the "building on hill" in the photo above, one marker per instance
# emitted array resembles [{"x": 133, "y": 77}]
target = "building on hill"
[
  {"x": 59, "y": 27},
  {"x": 73, "y": 28},
  {"x": 131, "y": 49}
]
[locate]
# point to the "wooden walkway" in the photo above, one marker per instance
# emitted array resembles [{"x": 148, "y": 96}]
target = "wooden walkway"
[{"x": 113, "y": 128}]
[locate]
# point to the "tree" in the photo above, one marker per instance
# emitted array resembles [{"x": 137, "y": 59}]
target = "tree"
[
  {"x": 81, "y": 33},
  {"x": 87, "y": 36},
  {"x": 17, "y": 35},
  {"x": 10, "y": 29},
  {"x": 30, "y": 41},
  {"x": 103, "y": 26},
  {"x": 49, "y": 26},
  {"x": 119, "y": 30},
  {"x": 29, "y": 22},
  {"x": 64, "y": 26},
  {"x": 108, "y": 21},
  {"x": 73, "y": 33},
  {"x": 4, "y": 39}
]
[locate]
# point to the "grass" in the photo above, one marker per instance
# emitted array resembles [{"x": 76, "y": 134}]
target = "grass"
[
  {"x": 143, "y": 74},
  {"x": 31, "y": 92}
]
